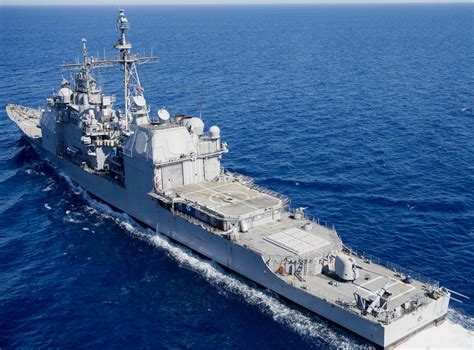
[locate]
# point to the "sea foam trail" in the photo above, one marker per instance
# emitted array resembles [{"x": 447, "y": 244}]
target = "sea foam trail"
[
  {"x": 296, "y": 320},
  {"x": 449, "y": 335},
  {"x": 453, "y": 334}
]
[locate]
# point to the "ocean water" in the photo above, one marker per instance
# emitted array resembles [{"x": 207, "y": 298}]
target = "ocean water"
[{"x": 364, "y": 114}]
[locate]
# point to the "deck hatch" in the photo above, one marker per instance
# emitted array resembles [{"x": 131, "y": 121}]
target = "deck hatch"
[{"x": 297, "y": 241}]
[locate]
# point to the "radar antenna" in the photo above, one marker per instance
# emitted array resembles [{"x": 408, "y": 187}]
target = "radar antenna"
[
  {"x": 85, "y": 53},
  {"x": 131, "y": 80}
]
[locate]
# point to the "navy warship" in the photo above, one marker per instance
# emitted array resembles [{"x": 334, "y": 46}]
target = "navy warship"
[{"x": 165, "y": 172}]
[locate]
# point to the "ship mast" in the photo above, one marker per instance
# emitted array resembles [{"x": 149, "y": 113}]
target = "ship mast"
[
  {"x": 133, "y": 91},
  {"x": 124, "y": 47}
]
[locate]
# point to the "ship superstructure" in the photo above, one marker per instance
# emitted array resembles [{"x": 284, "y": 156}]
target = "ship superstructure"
[{"x": 166, "y": 173}]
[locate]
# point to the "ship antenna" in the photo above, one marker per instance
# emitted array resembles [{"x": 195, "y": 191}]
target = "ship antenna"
[
  {"x": 200, "y": 102},
  {"x": 131, "y": 80},
  {"x": 124, "y": 47},
  {"x": 85, "y": 53}
]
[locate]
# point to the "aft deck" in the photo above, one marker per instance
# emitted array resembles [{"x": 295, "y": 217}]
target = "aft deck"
[
  {"x": 231, "y": 199},
  {"x": 297, "y": 249},
  {"x": 289, "y": 237},
  {"x": 269, "y": 228}
]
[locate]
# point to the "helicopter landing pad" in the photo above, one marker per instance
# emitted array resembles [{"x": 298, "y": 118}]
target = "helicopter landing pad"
[{"x": 232, "y": 199}]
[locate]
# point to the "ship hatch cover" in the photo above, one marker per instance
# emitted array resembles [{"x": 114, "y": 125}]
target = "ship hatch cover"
[{"x": 297, "y": 241}]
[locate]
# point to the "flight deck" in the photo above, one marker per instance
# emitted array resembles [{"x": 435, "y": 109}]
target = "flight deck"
[{"x": 230, "y": 199}]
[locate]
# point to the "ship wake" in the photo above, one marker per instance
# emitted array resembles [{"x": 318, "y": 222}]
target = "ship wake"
[
  {"x": 457, "y": 332},
  {"x": 308, "y": 326}
]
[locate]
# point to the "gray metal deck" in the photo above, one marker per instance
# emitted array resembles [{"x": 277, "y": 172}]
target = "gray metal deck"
[
  {"x": 372, "y": 278},
  {"x": 289, "y": 238},
  {"x": 26, "y": 118},
  {"x": 230, "y": 199}
]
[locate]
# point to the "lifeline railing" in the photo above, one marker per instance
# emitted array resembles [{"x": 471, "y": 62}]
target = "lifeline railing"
[
  {"x": 250, "y": 183},
  {"x": 367, "y": 257},
  {"x": 392, "y": 266}
]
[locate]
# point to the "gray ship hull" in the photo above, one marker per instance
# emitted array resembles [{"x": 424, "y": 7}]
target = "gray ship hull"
[
  {"x": 167, "y": 174},
  {"x": 244, "y": 261}
]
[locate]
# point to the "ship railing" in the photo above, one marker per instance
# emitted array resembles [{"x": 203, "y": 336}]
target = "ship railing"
[
  {"x": 243, "y": 178},
  {"x": 386, "y": 317},
  {"x": 274, "y": 261},
  {"x": 398, "y": 269},
  {"x": 26, "y": 112},
  {"x": 332, "y": 229},
  {"x": 285, "y": 199},
  {"x": 368, "y": 257},
  {"x": 250, "y": 183}
]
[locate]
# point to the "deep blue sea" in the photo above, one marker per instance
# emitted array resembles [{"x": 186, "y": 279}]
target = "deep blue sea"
[{"x": 364, "y": 114}]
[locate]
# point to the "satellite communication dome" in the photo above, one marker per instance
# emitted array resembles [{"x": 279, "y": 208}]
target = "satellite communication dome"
[
  {"x": 163, "y": 115},
  {"x": 215, "y": 132},
  {"x": 195, "y": 125}
]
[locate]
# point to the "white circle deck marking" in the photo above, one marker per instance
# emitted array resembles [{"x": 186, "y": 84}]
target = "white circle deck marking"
[{"x": 219, "y": 198}]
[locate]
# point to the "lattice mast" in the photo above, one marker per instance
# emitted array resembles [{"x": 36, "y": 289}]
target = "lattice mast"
[
  {"x": 133, "y": 91},
  {"x": 131, "y": 80}
]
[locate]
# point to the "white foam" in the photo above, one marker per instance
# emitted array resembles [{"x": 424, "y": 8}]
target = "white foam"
[
  {"x": 300, "y": 322},
  {"x": 449, "y": 335},
  {"x": 453, "y": 334},
  {"x": 48, "y": 188},
  {"x": 280, "y": 312},
  {"x": 73, "y": 221}
]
